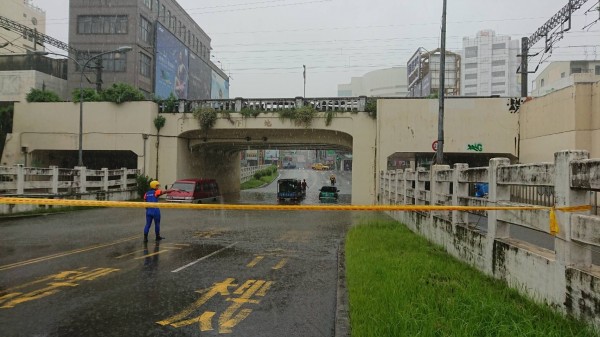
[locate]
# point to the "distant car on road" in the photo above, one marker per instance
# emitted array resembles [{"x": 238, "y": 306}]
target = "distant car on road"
[
  {"x": 319, "y": 167},
  {"x": 328, "y": 193},
  {"x": 289, "y": 165}
]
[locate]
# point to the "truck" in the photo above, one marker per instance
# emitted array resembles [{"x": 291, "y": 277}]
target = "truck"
[{"x": 289, "y": 190}]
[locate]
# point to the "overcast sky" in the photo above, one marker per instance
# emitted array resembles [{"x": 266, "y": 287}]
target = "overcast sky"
[{"x": 262, "y": 44}]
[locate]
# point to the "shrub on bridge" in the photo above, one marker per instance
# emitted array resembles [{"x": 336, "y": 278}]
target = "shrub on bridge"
[
  {"x": 39, "y": 95},
  {"x": 143, "y": 184}
]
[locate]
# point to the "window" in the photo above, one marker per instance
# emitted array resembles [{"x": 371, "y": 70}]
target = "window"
[
  {"x": 576, "y": 71},
  {"x": 498, "y": 83},
  {"x": 102, "y": 24},
  {"x": 145, "y": 30},
  {"x": 497, "y": 92},
  {"x": 498, "y": 63},
  {"x": 145, "y": 65},
  {"x": 113, "y": 62},
  {"x": 562, "y": 75},
  {"x": 542, "y": 83},
  {"x": 470, "y": 65},
  {"x": 468, "y": 86},
  {"x": 498, "y": 46},
  {"x": 597, "y": 70},
  {"x": 470, "y": 76},
  {"x": 148, "y": 3},
  {"x": 498, "y": 73},
  {"x": 169, "y": 19},
  {"x": 163, "y": 12},
  {"x": 471, "y": 52}
]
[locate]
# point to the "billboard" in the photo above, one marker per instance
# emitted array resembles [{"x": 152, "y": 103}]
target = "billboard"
[
  {"x": 219, "y": 87},
  {"x": 413, "y": 68},
  {"x": 272, "y": 155},
  {"x": 199, "y": 79},
  {"x": 172, "y": 64}
]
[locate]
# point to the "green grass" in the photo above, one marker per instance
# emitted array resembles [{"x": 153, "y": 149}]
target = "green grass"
[
  {"x": 399, "y": 284},
  {"x": 254, "y": 183}
]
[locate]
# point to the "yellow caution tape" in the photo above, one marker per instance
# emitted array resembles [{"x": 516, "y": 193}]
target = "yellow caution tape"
[{"x": 137, "y": 204}]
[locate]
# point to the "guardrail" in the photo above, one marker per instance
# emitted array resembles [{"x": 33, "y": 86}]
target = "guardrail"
[{"x": 517, "y": 246}]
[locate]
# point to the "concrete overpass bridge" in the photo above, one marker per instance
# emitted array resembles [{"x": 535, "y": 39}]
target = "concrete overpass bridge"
[{"x": 47, "y": 134}]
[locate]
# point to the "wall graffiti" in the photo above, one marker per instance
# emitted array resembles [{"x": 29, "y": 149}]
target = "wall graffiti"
[{"x": 478, "y": 147}]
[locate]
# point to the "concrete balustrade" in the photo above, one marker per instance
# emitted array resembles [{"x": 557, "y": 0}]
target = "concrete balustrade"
[{"x": 564, "y": 274}]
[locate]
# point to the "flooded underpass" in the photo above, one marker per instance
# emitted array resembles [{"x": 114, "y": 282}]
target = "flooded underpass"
[{"x": 240, "y": 273}]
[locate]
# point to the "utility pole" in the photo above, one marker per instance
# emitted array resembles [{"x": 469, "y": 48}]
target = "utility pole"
[
  {"x": 99, "y": 74},
  {"x": 304, "y": 75},
  {"x": 439, "y": 155}
]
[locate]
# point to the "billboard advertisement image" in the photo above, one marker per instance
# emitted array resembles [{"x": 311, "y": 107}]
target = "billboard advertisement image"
[
  {"x": 172, "y": 64},
  {"x": 199, "y": 79},
  {"x": 219, "y": 87}
]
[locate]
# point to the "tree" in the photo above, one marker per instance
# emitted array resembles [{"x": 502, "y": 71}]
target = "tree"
[{"x": 159, "y": 123}]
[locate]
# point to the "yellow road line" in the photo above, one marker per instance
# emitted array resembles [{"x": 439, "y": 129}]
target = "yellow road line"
[
  {"x": 280, "y": 264},
  {"x": 151, "y": 254},
  {"x": 255, "y": 261},
  {"x": 63, "y": 254}
]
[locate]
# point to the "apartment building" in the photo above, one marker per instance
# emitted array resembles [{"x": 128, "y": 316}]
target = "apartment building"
[
  {"x": 562, "y": 74},
  {"x": 27, "y": 14},
  {"x": 170, "y": 55},
  {"x": 490, "y": 65}
]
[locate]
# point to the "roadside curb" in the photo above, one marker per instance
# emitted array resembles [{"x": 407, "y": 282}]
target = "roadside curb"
[{"x": 342, "y": 319}]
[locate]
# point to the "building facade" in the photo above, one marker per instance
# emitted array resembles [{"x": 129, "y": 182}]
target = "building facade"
[
  {"x": 490, "y": 65},
  {"x": 20, "y": 73},
  {"x": 390, "y": 82},
  {"x": 423, "y": 73},
  {"x": 170, "y": 55},
  {"x": 561, "y": 74},
  {"x": 27, "y": 14}
]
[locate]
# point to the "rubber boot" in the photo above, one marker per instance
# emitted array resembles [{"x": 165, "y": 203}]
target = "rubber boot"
[
  {"x": 158, "y": 237},
  {"x": 145, "y": 237}
]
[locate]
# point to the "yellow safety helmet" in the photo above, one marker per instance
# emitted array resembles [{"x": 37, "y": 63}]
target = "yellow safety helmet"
[{"x": 154, "y": 184}]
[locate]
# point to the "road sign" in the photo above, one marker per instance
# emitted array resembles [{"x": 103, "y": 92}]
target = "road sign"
[{"x": 434, "y": 145}]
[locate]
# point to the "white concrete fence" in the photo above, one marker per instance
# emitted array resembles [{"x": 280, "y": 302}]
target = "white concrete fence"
[{"x": 509, "y": 244}]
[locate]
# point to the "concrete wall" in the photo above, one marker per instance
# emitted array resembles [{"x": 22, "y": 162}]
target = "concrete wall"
[
  {"x": 16, "y": 84},
  {"x": 565, "y": 119},
  {"x": 411, "y": 125},
  {"x": 563, "y": 276}
]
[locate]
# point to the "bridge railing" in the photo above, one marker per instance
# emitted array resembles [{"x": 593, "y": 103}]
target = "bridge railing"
[
  {"x": 518, "y": 246},
  {"x": 54, "y": 181},
  {"x": 350, "y": 104}
]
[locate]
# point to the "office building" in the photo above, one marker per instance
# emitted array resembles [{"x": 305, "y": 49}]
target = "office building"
[
  {"x": 25, "y": 13},
  {"x": 171, "y": 53},
  {"x": 490, "y": 64},
  {"x": 423, "y": 73}
]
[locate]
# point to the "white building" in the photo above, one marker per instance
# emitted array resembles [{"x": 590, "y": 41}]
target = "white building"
[
  {"x": 561, "y": 74},
  {"x": 390, "y": 82},
  {"x": 27, "y": 14},
  {"x": 490, "y": 65}
]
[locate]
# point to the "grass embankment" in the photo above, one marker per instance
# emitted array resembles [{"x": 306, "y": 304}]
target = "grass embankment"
[
  {"x": 401, "y": 285},
  {"x": 260, "y": 178}
]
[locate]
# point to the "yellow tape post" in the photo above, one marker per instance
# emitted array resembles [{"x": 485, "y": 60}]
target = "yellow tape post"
[{"x": 137, "y": 204}]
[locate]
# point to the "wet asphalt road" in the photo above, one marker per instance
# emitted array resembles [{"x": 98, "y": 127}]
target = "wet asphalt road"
[{"x": 235, "y": 273}]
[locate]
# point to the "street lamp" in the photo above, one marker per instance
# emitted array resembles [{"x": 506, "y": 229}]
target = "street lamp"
[{"x": 82, "y": 68}]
